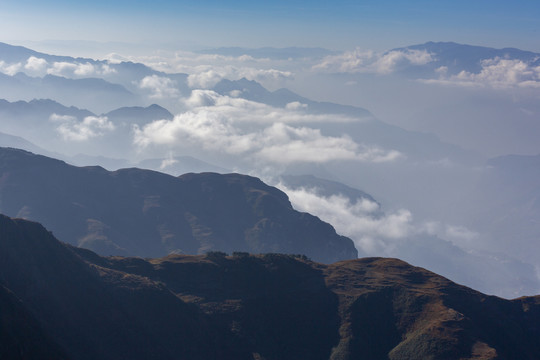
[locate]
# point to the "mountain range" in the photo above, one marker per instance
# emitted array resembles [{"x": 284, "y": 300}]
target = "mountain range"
[
  {"x": 432, "y": 195},
  {"x": 140, "y": 264},
  {"x": 145, "y": 213},
  {"x": 462, "y": 57},
  {"x": 70, "y": 303}
]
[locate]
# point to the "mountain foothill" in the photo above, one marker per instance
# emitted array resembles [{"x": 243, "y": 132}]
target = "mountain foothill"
[
  {"x": 64, "y": 302},
  {"x": 190, "y": 260}
]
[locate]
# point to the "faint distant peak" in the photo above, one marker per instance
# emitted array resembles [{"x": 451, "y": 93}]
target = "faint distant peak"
[
  {"x": 455, "y": 57},
  {"x": 153, "y": 110},
  {"x": 271, "y": 52}
]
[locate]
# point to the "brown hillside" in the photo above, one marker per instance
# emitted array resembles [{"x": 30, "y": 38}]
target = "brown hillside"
[{"x": 245, "y": 306}]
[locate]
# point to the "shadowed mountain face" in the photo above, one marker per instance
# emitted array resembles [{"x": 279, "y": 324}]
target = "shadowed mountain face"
[
  {"x": 21, "y": 335},
  {"x": 253, "y": 307},
  {"x": 93, "y": 312},
  {"x": 150, "y": 214}
]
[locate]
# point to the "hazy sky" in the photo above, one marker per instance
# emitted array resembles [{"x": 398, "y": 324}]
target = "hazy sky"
[{"x": 339, "y": 25}]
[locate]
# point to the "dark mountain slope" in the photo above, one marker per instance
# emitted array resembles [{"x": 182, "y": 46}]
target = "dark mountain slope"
[
  {"x": 21, "y": 336},
  {"x": 255, "y": 307},
  {"x": 94, "y": 312},
  {"x": 150, "y": 214}
]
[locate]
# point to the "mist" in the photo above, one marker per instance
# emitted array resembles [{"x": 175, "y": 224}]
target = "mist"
[{"x": 422, "y": 138}]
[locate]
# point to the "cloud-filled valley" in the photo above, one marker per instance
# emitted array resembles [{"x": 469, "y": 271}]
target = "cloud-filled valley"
[{"x": 234, "y": 112}]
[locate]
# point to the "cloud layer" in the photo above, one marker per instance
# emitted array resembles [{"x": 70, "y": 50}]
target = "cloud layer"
[
  {"x": 77, "y": 131},
  {"x": 35, "y": 66},
  {"x": 256, "y": 131},
  {"x": 160, "y": 87},
  {"x": 496, "y": 73},
  {"x": 360, "y": 61},
  {"x": 445, "y": 249}
]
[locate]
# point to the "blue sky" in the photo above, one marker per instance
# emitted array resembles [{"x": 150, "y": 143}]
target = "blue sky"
[{"x": 341, "y": 24}]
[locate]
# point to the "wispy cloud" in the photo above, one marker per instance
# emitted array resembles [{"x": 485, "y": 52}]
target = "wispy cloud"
[
  {"x": 361, "y": 61},
  {"x": 446, "y": 249},
  {"x": 245, "y": 111},
  {"x": 73, "y": 130},
  {"x": 372, "y": 233},
  {"x": 35, "y": 66},
  {"x": 496, "y": 73},
  {"x": 160, "y": 87},
  {"x": 167, "y": 162},
  {"x": 278, "y": 143},
  {"x": 206, "y": 70},
  {"x": 10, "y": 69},
  {"x": 208, "y": 78},
  {"x": 257, "y": 131}
]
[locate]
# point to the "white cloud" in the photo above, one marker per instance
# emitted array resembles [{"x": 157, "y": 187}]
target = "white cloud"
[
  {"x": 397, "y": 235},
  {"x": 106, "y": 69},
  {"x": 91, "y": 127},
  {"x": 284, "y": 144},
  {"x": 277, "y": 144},
  {"x": 199, "y": 98},
  {"x": 235, "y": 93},
  {"x": 10, "y": 69},
  {"x": 359, "y": 61},
  {"x": 114, "y": 58},
  {"x": 68, "y": 69},
  {"x": 169, "y": 161},
  {"x": 62, "y": 118},
  {"x": 256, "y": 131},
  {"x": 206, "y": 70},
  {"x": 207, "y": 78},
  {"x": 296, "y": 105},
  {"x": 458, "y": 235},
  {"x": 85, "y": 69},
  {"x": 159, "y": 86},
  {"x": 36, "y": 65},
  {"x": 188, "y": 62},
  {"x": 245, "y": 111},
  {"x": 372, "y": 233},
  {"x": 496, "y": 73},
  {"x": 389, "y": 61},
  {"x": 349, "y": 61}
]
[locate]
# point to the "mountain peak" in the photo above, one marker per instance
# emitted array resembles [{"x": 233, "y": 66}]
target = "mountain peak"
[{"x": 147, "y": 213}]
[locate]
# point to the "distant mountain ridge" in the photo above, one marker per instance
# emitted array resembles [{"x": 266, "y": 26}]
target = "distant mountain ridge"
[
  {"x": 244, "y": 307},
  {"x": 271, "y": 53},
  {"x": 462, "y": 57},
  {"x": 146, "y": 213}
]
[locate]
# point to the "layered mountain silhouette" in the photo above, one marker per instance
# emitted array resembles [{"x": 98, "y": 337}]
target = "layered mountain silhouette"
[
  {"x": 99, "y": 85},
  {"x": 95, "y": 93},
  {"x": 243, "y": 306},
  {"x": 147, "y": 213},
  {"x": 271, "y": 52},
  {"x": 364, "y": 128},
  {"x": 462, "y": 57},
  {"x": 39, "y": 121}
]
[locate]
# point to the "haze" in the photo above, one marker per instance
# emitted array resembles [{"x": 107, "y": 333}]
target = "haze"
[{"x": 419, "y": 104}]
